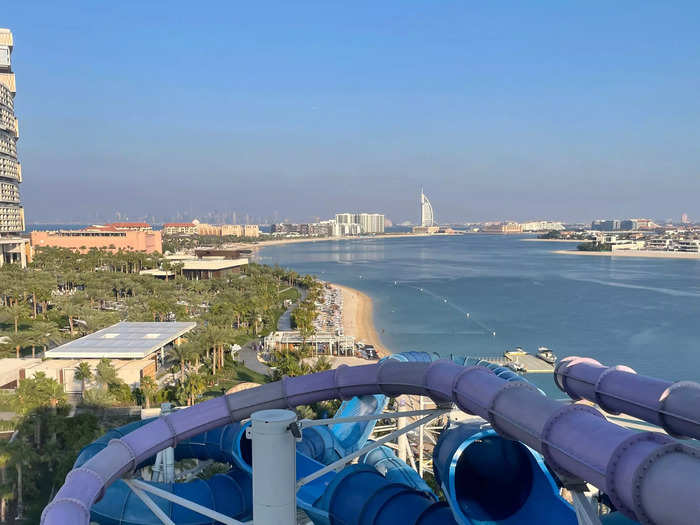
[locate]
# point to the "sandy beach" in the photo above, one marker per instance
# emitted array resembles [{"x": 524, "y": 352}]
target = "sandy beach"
[
  {"x": 650, "y": 254},
  {"x": 357, "y": 319}
]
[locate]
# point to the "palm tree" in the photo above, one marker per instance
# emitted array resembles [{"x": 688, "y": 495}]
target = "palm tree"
[
  {"x": 192, "y": 388},
  {"x": 16, "y": 341},
  {"x": 148, "y": 387},
  {"x": 16, "y": 312},
  {"x": 106, "y": 373},
  {"x": 179, "y": 355},
  {"x": 71, "y": 310},
  {"x": 6, "y": 491},
  {"x": 83, "y": 373},
  {"x": 46, "y": 333}
]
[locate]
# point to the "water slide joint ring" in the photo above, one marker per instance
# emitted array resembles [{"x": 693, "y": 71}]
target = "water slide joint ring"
[
  {"x": 643, "y": 468},
  {"x": 549, "y": 425},
  {"x": 615, "y": 458},
  {"x": 492, "y": 404},
  {"x": 598, "y": 395},
  {"x": 663, "y": 415}
]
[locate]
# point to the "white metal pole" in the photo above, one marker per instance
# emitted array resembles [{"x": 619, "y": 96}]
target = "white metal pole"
[
  {"x": 401, "y": 423},
  {"x": 168, "y": 455},
  {"x": 274, "y": 467},
  {"x": 420, "y": 441}
]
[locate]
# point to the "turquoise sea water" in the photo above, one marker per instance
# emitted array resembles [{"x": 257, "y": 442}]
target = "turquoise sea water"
[{"x": 644, "y": 313}]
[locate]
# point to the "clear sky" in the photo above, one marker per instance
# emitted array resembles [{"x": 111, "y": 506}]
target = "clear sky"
[{"x": 571, "y": 110}]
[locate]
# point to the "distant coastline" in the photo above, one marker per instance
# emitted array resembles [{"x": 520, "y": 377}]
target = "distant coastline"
[
  {"x": 556, "y": 240},
  {"x": 648, "y": 254},
  {"x": 278, "y": 242}
]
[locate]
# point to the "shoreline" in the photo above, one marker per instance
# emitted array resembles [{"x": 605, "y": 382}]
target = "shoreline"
[
  {"x": 357, "y": 318},
  {"x": 643, "y": 254},
  {"x": 279, "y": 242},
  {"x": 557, "y": 240}
]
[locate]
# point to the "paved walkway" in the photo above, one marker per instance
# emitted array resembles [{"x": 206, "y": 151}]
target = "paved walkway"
[
  {"x": 285, "y": 321},
  {"x": 249, "y": 358}
]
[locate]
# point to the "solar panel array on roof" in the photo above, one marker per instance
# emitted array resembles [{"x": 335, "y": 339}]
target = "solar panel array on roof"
[{"x": 123, "y": 340}]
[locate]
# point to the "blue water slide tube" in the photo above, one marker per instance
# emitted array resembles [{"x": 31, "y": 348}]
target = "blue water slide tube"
[
  {"x": 654, "y": 486},
  {"x": 393, "y": 469},
  {"x": 359, "y": 495},
  {"x": 230, "y": 493},
  {"x": 488, "y": 479}
]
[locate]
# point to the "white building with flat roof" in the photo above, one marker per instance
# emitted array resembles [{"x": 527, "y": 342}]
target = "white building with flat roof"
[{"x": 125, "y": 340}]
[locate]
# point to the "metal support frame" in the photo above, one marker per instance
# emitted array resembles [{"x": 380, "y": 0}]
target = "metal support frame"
[
  {"x": 274, "y": 453},
  {"x": 164, "y": 467},
  {"x": 191, "y": 505},
  {"x": 418, "y": 460},
  {"x": 155, "y": 509},
  {"x": 336, "y": 465},
  {"x": 307, "y": 423},
  {"x": 586, "y": 511}
]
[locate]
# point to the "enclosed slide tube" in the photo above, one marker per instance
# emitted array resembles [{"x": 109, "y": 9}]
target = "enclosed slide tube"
[
  {"x": 675, "y": 407},
  {"x": 229, "y": 493},
  {"x": 649, "y": 476},
  {"x": 360, "y": 495},
  {"x": 488, "y": 479}
]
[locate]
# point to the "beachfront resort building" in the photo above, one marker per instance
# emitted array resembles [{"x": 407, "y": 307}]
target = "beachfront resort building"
[
  {"x": 179, "y": 228},
  {"x": 542, "y": 226},
  {"x": 207, "y": 263},
  {"x": 357, "y": 224},
  {"x": 127, "y": 236},
  {"x": 13, "y": 248},
  {"x": 226, "y": 230},
  {"x": 610, "y": 225},
  {"x": 502, "y": 227}
]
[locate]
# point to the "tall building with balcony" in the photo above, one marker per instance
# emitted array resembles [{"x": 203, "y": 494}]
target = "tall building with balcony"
[
  {"x": 13, "y": 248},
  {"x": 358, "y": 224}
]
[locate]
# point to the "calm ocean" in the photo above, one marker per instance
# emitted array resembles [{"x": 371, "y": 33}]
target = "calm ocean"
[{"x": 644, "y": 313}]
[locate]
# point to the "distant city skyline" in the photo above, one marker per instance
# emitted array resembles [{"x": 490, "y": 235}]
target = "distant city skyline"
[{"x": 520, "y": 111}]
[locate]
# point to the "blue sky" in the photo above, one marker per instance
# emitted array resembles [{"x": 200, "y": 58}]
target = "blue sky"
[{"x": 571, "y": 110}]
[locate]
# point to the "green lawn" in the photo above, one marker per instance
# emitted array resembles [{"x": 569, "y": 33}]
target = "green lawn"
[
  {"x": 291, "y": 293},
  {"x": 231, "y": 375}
]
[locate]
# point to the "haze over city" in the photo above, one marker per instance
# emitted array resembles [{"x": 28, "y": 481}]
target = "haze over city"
[{"x": 522, "y": 111}]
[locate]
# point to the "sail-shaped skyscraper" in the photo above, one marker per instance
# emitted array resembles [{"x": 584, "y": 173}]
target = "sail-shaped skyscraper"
[{"x": 427, "y": 218}]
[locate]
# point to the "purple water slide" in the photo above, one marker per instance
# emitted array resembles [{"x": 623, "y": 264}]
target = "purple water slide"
[
  {"x": 675, "y": 407},
  {"x": 650, "y": 477}
]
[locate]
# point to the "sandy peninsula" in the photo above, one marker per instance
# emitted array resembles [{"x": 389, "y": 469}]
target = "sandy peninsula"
[
  {"x": 649, "y": 254},
  {"x": 357, "y": 318}
]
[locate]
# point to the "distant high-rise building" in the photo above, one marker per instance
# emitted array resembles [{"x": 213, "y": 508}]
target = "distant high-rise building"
[
  {"x": 358, "y": 223},
  {"x": 427, "y": 217},
  {"x": 345, "y": 218},
  {"x": 606, "y": 225},
  {"x": 12, "y": 246},
  {"x": 684, "y": 219}
]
